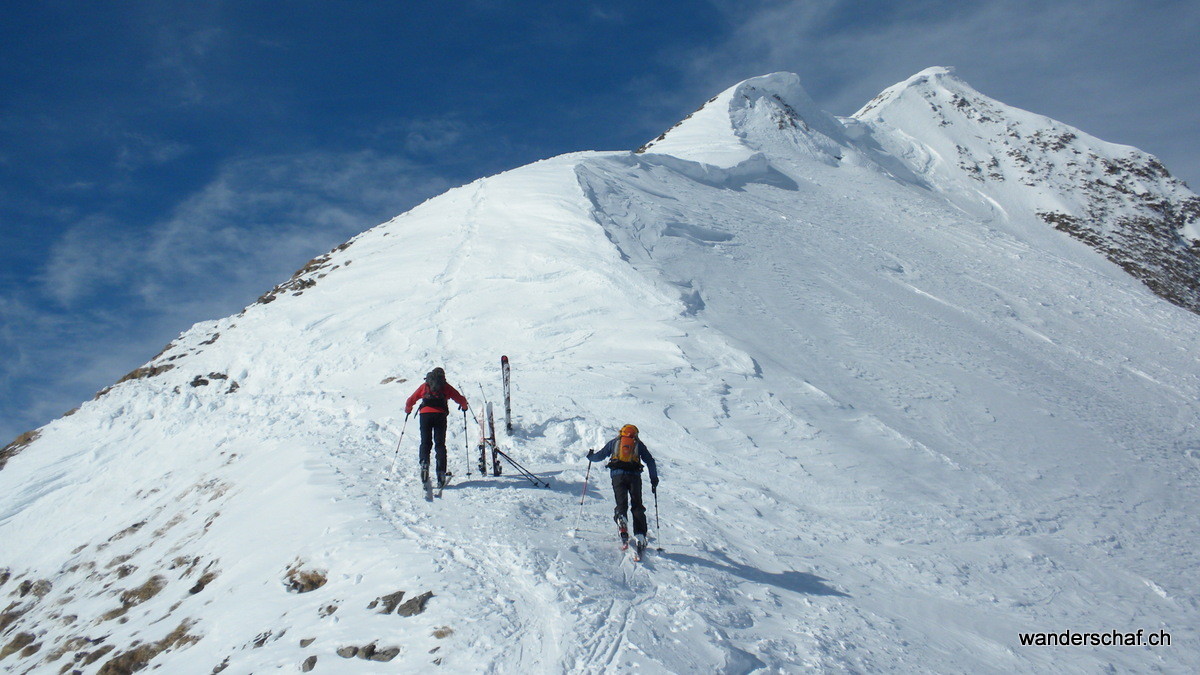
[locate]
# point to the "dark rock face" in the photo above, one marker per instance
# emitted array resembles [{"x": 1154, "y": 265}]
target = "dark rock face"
[
  {"x": 389, "y": 602},
  {"x": 1149, "y": 247},
  {"x": 306, "y": 277},
  {"x": 369, "y": 652},
  {"x": 415, "y": 606},
  {"x": 1118, "y": 200}
]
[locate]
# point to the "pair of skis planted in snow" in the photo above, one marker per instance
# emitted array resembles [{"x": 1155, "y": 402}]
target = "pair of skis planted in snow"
[
  {"x": 487, "y": 424},
  {"x": 487, "y": 437}
]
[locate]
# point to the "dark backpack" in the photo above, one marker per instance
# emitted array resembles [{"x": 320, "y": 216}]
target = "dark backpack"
[{"x": 435, "y": 390}]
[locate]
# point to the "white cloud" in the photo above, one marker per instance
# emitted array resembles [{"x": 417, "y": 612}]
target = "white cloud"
[{"x": 89, "y": 256}]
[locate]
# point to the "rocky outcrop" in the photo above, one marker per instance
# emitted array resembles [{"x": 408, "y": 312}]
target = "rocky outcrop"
[{"x": 19, "y": 443}]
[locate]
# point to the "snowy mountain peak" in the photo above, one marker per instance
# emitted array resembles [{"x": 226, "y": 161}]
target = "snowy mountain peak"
[
  {"x": 1008, "y": 165},
  {"x": 936, "y": 77},
  {"x": 770, "y": 114}
]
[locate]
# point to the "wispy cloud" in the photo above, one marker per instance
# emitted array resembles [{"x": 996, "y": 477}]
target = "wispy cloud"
[
  {"x": 112, "y": 293},
  {"x": 185, "y": 39},
  {"x": 606, "y": 14},
  {"x": 257, "y": 219},
  {"x": 433, "y": 136},
  {"x": 136, "y": 150},
  {"x": 93, "y": 254}
]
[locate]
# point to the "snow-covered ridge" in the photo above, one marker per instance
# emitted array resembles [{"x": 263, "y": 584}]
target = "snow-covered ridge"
[
  {"x": 899, "y": 420},
  {"x": 772, "y": 113}
]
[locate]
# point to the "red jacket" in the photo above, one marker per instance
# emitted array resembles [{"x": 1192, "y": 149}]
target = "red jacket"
[{"x": 423, "y": 391}]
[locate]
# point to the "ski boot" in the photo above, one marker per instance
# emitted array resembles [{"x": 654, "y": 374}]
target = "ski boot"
[
  {"x": 639, "y": 546},
  {"x": 623, "y": 529},
  {"x": 425, "y": 473}
]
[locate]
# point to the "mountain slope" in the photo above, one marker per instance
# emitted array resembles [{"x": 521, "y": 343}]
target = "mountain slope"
[{"x": 895, "y": 429}]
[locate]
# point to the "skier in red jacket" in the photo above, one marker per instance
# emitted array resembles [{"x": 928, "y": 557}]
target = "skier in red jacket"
[{"x": 434, "y": 410}]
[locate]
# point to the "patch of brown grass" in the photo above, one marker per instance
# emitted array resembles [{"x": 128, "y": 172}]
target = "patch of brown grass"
[
  {"x": 127, "y": 531},
  {"x": 20, "y": 443},
  {"x": 20, "y": 641},
  {"x": 139, "y": 655},
  {"x": 13, "y": 614},
  {"x": 39, "y": 588},
  {"x": 300, "y": 580},
  {"x": 136, "y": 596},
  {"x": 204, "y": 580}
]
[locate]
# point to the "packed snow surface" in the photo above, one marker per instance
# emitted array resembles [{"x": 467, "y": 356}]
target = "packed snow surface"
[{"x": 899, "y": 421}]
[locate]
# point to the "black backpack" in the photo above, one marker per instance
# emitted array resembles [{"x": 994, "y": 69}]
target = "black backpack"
[{"x": 435, "y": 385}]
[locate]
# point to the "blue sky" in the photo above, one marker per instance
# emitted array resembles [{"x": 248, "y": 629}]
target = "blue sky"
[{"x": 163, "y": 163}]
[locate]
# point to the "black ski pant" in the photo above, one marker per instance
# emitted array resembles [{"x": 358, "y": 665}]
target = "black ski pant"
[
  {"x": 433, "y": 435},
  {"x": 627, "y": 488}
]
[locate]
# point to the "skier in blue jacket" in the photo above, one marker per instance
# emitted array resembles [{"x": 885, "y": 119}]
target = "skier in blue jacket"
[{"x": 628, "y": 456}]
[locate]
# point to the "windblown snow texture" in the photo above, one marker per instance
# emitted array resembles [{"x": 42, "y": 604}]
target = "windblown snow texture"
[{"x": 906, "y": 400}]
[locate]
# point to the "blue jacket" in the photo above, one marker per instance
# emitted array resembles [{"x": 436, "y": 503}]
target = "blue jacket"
[{"x": 647, "y": 459}]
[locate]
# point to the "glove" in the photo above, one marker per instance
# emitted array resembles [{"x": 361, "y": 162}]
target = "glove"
[
  {"x": 408, "y": 411},
  {"x": 462, "y": 408},
  {"x": 654, "y": 487}
]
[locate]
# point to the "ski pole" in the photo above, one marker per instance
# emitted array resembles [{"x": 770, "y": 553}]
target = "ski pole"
[
  {"x": 583, "y": 496},
  {"x": 525, "y": 472},
  {"x": 397, "y": 455},
  {"x": 466, "y": 445},
  {"x": 657, "y": 524},
  {"x": 586, "y": 475}
]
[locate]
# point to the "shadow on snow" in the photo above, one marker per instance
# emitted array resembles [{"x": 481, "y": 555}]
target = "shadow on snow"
[{"x": 797, "y": 582}]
